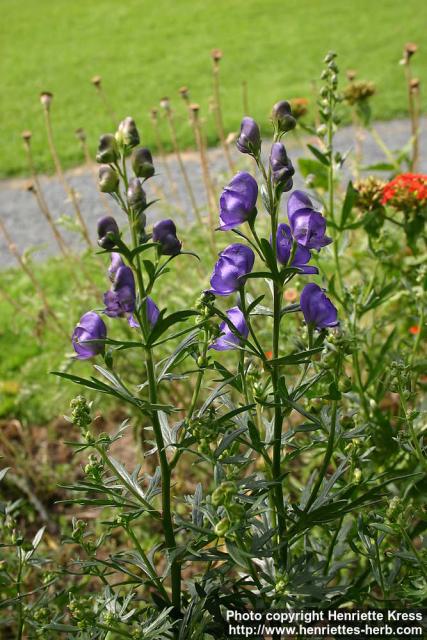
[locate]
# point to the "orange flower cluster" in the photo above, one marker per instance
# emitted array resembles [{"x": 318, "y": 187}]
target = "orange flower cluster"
[{"x": 406, "y": 190}]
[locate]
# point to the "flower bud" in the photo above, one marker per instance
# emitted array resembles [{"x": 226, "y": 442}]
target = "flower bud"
[
  {"x": 249, "y": 140},
  {"x": 127, "y": 133},
  {"x": 136, "y": 195},
  {"x": 281, "y": 167},
  {"x": 108, "y": 151},
  {"x": 46, "y": 99},
  {"x": 217, "y": 496},
  {"x": 107, "y": 232},
  {"x": 164, "y": 232},
  {"x": 282, "y": 117},
  {"x": 108, "y": 179},
  {"x": 142, "y": 163},
  {"x": 222, "y": 527}
]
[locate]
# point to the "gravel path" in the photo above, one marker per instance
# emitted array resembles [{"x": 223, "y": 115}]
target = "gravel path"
[{"x": 28, "y": 228}]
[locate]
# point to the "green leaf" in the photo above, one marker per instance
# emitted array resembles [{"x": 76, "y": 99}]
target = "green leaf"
[
  {"x": 316, "y": 169},
  {"x": 163, "y": 323},
  {"x": 319, "y": 155},
  {"x": 299, "y": 357},
  {"x": 349, "y": 200}
]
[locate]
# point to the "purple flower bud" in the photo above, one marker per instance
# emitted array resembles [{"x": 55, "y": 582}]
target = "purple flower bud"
[
  {"x": 127, "y": 133},
  {"x": 236, "y": 261},
  {"x": 116, "y": 262},
  {"x": 120, "y": 300},
  {"x": 284, "y": 248},
  {"x": 107, "y": 232},
  {"x": 282, "y": 117},
  {"x": 136, "y": 195},
  {"x": 108, "y": 151},
  {"x": 164, "y": 232},
  {"x": 318, "y": 310},
  {"x": 90, "y": 327},
  {"x": 108, "y": 179},
  {"x": 142, "y": 163},
  {"x": 238, "y": 201},
  {"x": 281, "y": 167},
  {"x": 307, "y": 225},
  {"x": 228, "y": 340},
  {"x": 249, "y": 140}
]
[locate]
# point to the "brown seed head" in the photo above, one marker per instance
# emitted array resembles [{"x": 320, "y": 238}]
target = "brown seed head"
[
  {"x": 415, "y": 85},
  {"x": 96, "y": 81},
  {"x": 195, "y": 108},
  {"x": 30, "y": 187},
  {"x": 184, "y": 92},
  {"x": 26, "y": 135},
  {"x": 351, "y": 74},
  {"x": 165, "y": 103},
  {"x": 154, "y": 113},
  {"x": 410, "y": 48},
  {"x": 80, "y": 134},
  {"x": 216, "y": 55},
  {"x": 46, "y": 98}
]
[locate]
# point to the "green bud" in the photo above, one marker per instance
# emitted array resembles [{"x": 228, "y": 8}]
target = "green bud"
[
  {"x": 282, "y": 117},
  {"x": 218, "y": 496},
  {"x": 127, "y": 133},
  {"x": 142, "y": 163},
  {"x": 357, "y": 475},
  {"x": 108, "y": 179},
  {"x": 136, "y": 195},
  {"x": 322, "y": 130},
  {"x": 108, "y": 151},
  {"x": 222, "y": 527},
  {"x": 344, "y": 385},
  {"x": 236, "y": 511}
]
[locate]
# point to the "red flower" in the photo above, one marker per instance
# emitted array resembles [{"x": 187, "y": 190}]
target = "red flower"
[
  {"x": 407, "y": 187},
  {"x": 415, "y": 329}
]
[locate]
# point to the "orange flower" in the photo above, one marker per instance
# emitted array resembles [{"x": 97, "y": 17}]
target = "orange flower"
[
  {"x": 406, "y": 186},
  {"x": 268, "y": 355},
  {"x": 291, "y": 295},
  {"x": 415, "y": 329}
]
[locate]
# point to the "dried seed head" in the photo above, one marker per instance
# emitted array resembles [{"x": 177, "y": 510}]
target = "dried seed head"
[
  {"x": 195, "y": 108},
  {"x": 46, "y": 99},
  {"x": 30, "y": 187},
  {"x": 351, "y": 74},
  {"x": 184, "y": 92},
  {"x": 96, "y": 81},
  {"x": 216, "y": 55},
  {"x": 415, "y": 85},
  {"x": 26, "y": 135},
  {"x": 165, "y": 103},
  {"x": 409, "y": 49},
  {"x": 154, "y": 113},
  {"x": 80, "y": 134}
]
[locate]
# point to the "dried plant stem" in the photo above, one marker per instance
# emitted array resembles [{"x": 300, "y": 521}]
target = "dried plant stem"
[
  {"x": 218, "y": 116},
  {"x": 183, "y": 170},
  {"x": 25, "y": 268},
  {"x": 68, "y": 189},
  {"x": 210, "y": 193},
  {"x": 106, "y": 104},
  {"x": 414, "y": 109},
  {"x": 41, "y": 201}
]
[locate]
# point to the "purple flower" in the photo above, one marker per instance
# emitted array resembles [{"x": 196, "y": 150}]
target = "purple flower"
[
  {"x": 120, "y": 300},
  {"x": 107, "y": 230},
  {"x": 302, "y": 255},
  {"x": 90, "y": 327},
  {"x": 307, "y": 225},
  {"x": 228, "y": 340},
  {"x": 249, "y": 140},
  {"x": 281, "y": 167},
  {"x": 152, "y": 311},
  {"x": 238, "y": 200},
  {"x": 164, "y": 232},
  {"x": 234, "y": 262},
  {"x": 116, "y": 262},
  {"x": 282, "y": 117},
  {"x": 318, "y": 310}
]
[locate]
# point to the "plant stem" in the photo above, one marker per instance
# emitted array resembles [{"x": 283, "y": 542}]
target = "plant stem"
[{"x": 218, "y": 116}]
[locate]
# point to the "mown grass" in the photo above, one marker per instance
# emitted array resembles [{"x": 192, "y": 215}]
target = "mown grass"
[{"x": 146, "y": 50}]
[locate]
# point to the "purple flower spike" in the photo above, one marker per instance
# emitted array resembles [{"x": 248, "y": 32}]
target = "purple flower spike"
[
  {"x": 121, "y": 297},
  {"x": 284, "y": 247},
  {"x": 238, "y": 201},
  {"x": 228, "y": 340},
  {"x": 307, "y": 225},
  {"x": 281, "y": 167},
  {"x": 164, "y": 232},
  {"x": 249, "y": 140},
  {"x": 236, "y": 261},
  {"x": 90, "y": 327},
  {"x": 318, "y": 310}
]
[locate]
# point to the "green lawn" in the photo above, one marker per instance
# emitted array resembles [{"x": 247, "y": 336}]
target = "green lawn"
[{"x": 145, "y": 50}]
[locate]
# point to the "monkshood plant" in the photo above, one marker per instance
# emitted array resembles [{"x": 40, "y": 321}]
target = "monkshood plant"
[{"x": 285, "y": 506}]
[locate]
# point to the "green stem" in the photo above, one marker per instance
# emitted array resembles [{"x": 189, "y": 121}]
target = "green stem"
[
  {"x": 414, "y": 550},
  {"x": 327, "y": 458},
  {"x": 331, "y": 194},
  {"x": 18, "y": 596}
]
